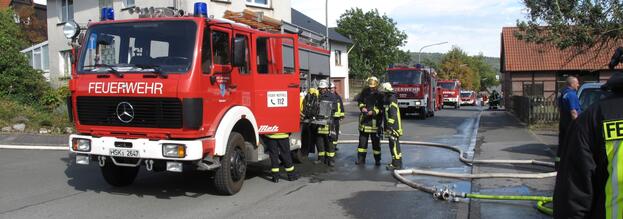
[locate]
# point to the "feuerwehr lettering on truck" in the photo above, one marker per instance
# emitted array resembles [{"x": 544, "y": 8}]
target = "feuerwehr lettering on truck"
[{"x": 125, "y": 87}]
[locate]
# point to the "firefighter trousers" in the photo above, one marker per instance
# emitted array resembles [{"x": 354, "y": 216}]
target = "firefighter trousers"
[
  {"x": 279, "y": 148},
  {"x": 362, "y": 149},
  {"x": 325, "y": 146},
  {"x": 336, "y": 128},
  {"x": 394, "y": 148}
]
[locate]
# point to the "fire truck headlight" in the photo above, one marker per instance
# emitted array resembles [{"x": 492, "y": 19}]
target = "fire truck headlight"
[
  {"x": 71, "y": 29},
  {"x": 174, "y": 150},
  {"x": 418, "y": 103},
  {"x": 81, "y": 144}
]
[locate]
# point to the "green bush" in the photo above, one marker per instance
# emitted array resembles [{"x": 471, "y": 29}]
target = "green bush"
[
  {"x": 18, "y": 80},
  {"x": 33, "y": 116}
]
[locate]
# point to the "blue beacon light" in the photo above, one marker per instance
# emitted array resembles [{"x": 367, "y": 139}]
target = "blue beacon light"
[{"x": 201, "y": 9}]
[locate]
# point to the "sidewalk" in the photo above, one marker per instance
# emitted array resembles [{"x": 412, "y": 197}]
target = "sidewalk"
[
  {"x": 501, "y": 136},
  {"x": 33, "y": 139}
]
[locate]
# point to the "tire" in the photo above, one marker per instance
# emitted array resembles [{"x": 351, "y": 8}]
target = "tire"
[
  {"x": 457, "y": 106},
  {"x": 228, "y": 179},
  {"x": 118, "y": 176},
  {"x": 297, "y": 156}
]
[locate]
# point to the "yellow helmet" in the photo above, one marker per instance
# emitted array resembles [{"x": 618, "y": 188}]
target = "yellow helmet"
[{"x": 373, "y": 82}]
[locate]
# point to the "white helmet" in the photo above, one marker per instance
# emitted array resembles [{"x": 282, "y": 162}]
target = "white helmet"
[
  {"x": 323, "y": 84},
  {"x": 387, "y": 87}
]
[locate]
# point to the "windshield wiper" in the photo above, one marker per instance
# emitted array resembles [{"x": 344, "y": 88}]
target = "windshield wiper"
[
  {"x": 110, "y": 69},
  {"x": 156, "y": 68}
]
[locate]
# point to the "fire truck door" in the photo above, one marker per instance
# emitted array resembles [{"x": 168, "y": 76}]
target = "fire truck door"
[{"x": 276, "y": 100}]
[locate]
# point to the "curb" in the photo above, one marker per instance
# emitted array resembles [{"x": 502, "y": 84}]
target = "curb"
[{"x": 33, "y": 147}]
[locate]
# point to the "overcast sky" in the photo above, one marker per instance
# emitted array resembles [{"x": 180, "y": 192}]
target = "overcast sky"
[{"x": 473, "y": 25}]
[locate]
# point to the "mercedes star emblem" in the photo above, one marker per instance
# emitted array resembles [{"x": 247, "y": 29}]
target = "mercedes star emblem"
[{"x": 125, "y": 112}]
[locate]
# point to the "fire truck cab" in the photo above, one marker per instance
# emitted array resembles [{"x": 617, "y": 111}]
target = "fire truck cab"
[
  {"x": 178, "y": 92},
  {"x": 415, "y": 88},
  {"x": 451, "y": 90}
]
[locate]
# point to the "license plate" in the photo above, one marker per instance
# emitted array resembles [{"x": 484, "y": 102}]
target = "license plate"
[{"x": 119, "y": 152}]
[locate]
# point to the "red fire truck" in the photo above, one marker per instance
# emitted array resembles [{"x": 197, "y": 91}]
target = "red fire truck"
[
  {"x": 451, "y": 90},
  {"x": 416, "y": 90},
  {"x": 178, "y": 92}
]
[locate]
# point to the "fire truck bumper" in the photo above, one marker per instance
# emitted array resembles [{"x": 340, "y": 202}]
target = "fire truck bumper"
[
  {"x": 142, "y": 149},
  {"x": 408, "y": 105},
  {"x": 447, "y": 101}
]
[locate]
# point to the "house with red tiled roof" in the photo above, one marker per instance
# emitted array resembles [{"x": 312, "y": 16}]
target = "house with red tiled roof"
[{"x": 540, "y": 70}]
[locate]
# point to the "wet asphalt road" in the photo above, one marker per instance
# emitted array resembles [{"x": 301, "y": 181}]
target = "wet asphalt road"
[{"x": 37, "y": 184}]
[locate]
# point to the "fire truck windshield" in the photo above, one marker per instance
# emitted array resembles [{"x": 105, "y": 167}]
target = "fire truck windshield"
[
  {"x": 447, "y": 85},
  {"x": 152, "y": 46},
  {"x": 404, "y": 77}
]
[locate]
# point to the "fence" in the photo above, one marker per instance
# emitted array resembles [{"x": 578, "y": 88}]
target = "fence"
[{"x": 535, "y": 110}]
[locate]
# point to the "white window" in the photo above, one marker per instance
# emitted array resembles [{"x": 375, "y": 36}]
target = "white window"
[
  {"x": 128, "y": 3},
  {"x": 65, "y": 63},
  {"x": 260, "y": 3},
  {"x": 338, "y": 58},
  {"x": 66, "y": 12}
]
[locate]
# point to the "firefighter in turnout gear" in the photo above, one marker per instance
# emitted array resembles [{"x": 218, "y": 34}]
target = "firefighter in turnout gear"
[
  {"x": 392, "y": 125},
  {"x": 589, "y": 183},
  {"x": 370, "y": 104},
  {"x": 278, "y": 146},
  {"x": 337, "y": 116},
  {"x": 326, "y": 148}
]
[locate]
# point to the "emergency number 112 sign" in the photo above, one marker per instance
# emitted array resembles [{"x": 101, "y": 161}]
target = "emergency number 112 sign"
[{"x": 277, "y": 98}]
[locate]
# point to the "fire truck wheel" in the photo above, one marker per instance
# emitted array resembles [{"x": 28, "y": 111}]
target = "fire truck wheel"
[
  {"x": 423, "y": 113},
  {"x": 297, "y": 156},
  {"x": 229, "y": 177},
  {"x": 117, "y": 175}
]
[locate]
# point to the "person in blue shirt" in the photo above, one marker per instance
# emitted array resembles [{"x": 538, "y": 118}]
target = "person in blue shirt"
[{"x": 569, "y": 106}]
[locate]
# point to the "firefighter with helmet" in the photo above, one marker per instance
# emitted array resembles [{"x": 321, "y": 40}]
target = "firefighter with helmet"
[
  {"x": 589, "y": 183},
  {"x": 392, "y": 125},
  {"x": 337, "y": 116},
  {"x": 326, "y": 149},
  {"x": 370, "y": 102}
]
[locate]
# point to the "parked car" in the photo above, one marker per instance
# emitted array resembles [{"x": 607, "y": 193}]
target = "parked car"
[{"x": 590, "y": 93}]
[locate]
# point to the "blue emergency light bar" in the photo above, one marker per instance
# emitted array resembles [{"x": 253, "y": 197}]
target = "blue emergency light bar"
[
  {"x": 201, "y": 9},
  {"x": 107, "y": 14}
]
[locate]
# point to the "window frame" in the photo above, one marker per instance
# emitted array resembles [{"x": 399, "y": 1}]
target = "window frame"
[
  {"x": 255, "y": 4},
  {"x": 338, "y": 57},
  {"x": 61, "y": 18},
  {"x": 128, "y": 5}
]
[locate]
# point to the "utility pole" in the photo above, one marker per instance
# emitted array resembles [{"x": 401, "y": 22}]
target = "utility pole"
[{"x": 326, "y": 24}]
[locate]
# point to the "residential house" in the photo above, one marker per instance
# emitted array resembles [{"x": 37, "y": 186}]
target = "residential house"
[
  {"x": 338, "y": 45},
  {"x": 85, "y": 11},
  {"x": 540, "y": 70},
  {"x": 31, "y": 16}
]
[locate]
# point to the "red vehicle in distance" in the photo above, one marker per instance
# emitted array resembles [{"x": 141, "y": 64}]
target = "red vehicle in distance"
[{"x": 451, "y": 90}]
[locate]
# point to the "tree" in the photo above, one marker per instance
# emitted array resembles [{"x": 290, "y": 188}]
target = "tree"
[
  {"x": 377, "y": 41},
  {"x": 486, "y": 74},
  {"x": 579, "y": 24},
  {"x": 473, "y": 71},
  {"x": 18, "y": 80},
  {"x": 33, "y": 29}
]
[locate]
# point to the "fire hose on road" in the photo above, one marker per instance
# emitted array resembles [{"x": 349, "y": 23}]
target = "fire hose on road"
[{"x": 450, "y": 195}]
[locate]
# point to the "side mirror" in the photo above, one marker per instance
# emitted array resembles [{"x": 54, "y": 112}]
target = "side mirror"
[{"x": 240, "y": 46}]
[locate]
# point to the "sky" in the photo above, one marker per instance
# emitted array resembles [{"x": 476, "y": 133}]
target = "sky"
[{"x": 472, "y": 25}]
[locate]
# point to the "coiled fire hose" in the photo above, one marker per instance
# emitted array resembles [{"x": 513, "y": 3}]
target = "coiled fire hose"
[{"x": 449, "y": 195}]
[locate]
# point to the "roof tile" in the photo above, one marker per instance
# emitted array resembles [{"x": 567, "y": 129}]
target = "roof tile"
[{"x": 519, "y": 55}]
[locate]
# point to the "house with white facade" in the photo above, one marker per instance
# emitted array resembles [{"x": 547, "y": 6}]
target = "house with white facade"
[
  {"x": 338, "y": 45},
  {"x": 85, "y": 11}
]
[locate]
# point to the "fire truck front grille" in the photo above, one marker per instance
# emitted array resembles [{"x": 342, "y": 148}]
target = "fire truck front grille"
[{"x": 130, "y": 112}]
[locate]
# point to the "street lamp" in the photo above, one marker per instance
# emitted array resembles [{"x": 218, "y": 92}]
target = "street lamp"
[{"x": 419, "y": 57}]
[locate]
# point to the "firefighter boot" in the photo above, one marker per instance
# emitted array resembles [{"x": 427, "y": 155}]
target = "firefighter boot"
[
  {"x": 292, "y": 176},
  {"x": 330, "y": 161},
  {"x": 275, "y": 177},
  {"x": 377, "y": 160},
  {"x": 361, "y": 158},
  {"x": 395, "y": 165}
]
